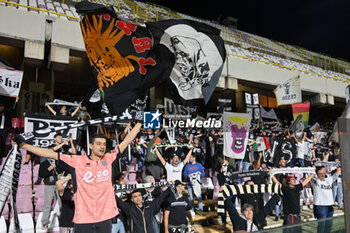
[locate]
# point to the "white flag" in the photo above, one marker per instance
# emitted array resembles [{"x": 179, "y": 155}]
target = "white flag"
[
  {"x": 236, "y": 130},
  {"x": 289, "y": 92},
  {"x": 10, "y": 82}
]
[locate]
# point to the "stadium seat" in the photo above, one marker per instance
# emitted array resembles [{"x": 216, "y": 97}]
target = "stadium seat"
[
  {"x": 24, "y": 191},
  {"x": 26, "y": 223},
  {"x": 23, "y": 2},
  {"x": 207, "y": 183},
  {"x": 25, "y": 177},
  {"x": 3, "y": 227}
]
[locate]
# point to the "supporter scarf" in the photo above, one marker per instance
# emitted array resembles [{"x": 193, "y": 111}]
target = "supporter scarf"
[
  {"x": 230, "y": 190},
  {"x": 326, "y": 164},
  {"x": 126, "y": 116},
  {"x": 292, "y": 170},
  {"x": 129, "y": 187},
  {"x": 238, "y": 175},
  {"x": 9, "y": 178}
]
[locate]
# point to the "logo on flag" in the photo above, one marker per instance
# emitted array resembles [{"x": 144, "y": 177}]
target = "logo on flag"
[
  {"x": 199, "y": 54},
  {"x": 151, "y": 120},
  {"x": 288, "y": 92},
  {"x": 236, "y": 130}
]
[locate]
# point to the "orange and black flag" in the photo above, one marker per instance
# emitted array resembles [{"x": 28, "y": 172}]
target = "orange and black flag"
[
  {"x": 122, "y": 56},
  {"x": 129, "y": 59}
]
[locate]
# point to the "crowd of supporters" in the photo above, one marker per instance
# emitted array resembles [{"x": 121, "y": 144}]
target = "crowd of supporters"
[{"x": 194, "y": 161}]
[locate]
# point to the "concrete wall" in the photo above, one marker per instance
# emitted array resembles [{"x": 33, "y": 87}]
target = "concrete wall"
[
  {"x": 67, "y": 34},
  {"x": 22, "y": 25},
  {"x": 272, "y": 75}
]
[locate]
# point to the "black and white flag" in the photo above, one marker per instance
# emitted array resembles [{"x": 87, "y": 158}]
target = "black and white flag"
[
  {"x": 9, "y": 178},
  {"x": 199, "y": 53}
]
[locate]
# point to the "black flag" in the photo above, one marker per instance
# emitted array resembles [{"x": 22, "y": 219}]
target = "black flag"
[
  {"x": 121, "y": 55},
  {"x": 128, "y": 59},
  {"x": 199, "y": 53}
]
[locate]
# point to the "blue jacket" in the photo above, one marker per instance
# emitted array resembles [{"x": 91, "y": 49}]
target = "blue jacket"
[{"x": 193, "y": 168}]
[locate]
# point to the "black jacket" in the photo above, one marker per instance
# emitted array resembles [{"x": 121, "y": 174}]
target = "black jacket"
[
  {"x": 141, "y": 218},
  {"x": 240, "y": 223}
]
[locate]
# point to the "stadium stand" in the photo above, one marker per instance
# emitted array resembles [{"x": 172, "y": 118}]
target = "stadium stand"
[{"x": 239, "y": 44}]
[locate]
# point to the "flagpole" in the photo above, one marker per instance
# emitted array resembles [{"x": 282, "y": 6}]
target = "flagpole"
[{"x": 87, "y": 141}]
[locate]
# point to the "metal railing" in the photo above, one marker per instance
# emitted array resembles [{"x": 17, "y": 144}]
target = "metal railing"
[
  {"x": 40, "y": 10},
  {"x": 150, "y": 12}
]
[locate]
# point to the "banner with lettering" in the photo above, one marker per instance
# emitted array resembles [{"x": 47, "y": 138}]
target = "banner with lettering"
[
  {"x": 35, "y": 122},
  {"x": 10, "y": 82}
]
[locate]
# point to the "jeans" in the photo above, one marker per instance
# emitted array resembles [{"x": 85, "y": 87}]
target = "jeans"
[
  {"x": 245, "y": 167},
  {"x": 338, "y": 194},
  {"x": 118, "y": 227},
  {"x": 191, "y": 198},
  {"x": 278, "y": 207},
  {"x": 324, "y": 212},
  {"x": 301, "y": 162},
  {"x": 98, "y": 227},
  {"x": 156, "y": 225}
]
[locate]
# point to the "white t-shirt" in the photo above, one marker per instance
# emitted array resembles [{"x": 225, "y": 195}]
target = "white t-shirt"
[
  {"x": 323, "y": 194},
  {"x": 174, "y": 173},
  {"x": 301, "y": 149}
]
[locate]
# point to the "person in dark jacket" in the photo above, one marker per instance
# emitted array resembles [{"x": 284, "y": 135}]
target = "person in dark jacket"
[
  {"x": 49, "y": 171},
  {"x": 224, "y": 172},
  {"x": 139, "y": 214},
  {"x": 249, "y": 221}
]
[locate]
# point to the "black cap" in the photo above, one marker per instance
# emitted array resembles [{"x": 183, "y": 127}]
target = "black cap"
[{"x": 177, "y": 182}]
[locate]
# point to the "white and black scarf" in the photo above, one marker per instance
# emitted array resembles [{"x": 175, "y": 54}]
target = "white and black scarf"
[
  {"x": 230, "y": 190},
  {"x": 9, "y": 178}
]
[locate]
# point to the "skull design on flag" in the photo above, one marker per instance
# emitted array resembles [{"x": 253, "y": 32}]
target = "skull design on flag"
[{"x": 195, "y": 59}]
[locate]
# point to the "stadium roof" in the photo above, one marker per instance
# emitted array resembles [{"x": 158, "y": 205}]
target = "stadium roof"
[{"x": 322, "y": 26}]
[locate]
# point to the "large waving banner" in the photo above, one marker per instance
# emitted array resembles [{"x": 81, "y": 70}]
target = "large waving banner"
[
  {"x": 128, "y": 59},
  {"x": 236, "y": 130},
  {"x": 288, "y": 92}
]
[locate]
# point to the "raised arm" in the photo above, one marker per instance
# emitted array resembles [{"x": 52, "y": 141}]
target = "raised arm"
[
  {"x": 295, "y": 138},
  {"x": 307, "y": 180},
  {"x": 131, "y": 135},
  {"x": 160, "y": 157},
  {"x": 188, "y": 156},
  {"x": 42, "y": 152},
  {"x": 72, "y": 149},
  {"x": 274, "y": 179},
  {"x": 60, "y": 184},
  {"x": 76, "y": 110},
  {"x": 51, "y": 110},
  {"x": 325, "y": 159}
]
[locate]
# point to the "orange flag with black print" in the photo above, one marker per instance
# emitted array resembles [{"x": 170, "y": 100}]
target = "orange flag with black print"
[{"x": 121, "y": 55}]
